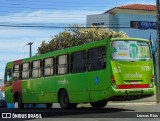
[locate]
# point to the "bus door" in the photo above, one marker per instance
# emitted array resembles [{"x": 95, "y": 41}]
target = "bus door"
[{"x": 96, "y": 70}]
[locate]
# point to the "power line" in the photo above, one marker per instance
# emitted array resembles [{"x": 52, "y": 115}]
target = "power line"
[
  {"x": 54, "y": 24},
  {"x": 39, "y": 26},
  {"x": 62, "y": 16}
]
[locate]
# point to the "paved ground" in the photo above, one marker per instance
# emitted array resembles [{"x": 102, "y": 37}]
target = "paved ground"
[
  {"x": 119, "y": 109},
  {"x": 112, "y": 112}
]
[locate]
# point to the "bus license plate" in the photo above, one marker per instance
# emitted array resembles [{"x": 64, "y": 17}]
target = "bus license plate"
[
  {"x": 134, "y": 91},
  {"x": 133, "y": 82}
]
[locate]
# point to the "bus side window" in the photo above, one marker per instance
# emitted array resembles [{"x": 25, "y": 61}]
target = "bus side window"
[
  {"x": 62, "y": 64},
  {"x": 49, "y": 66},
  {"x": 25, "y": 71},
  {"x": 16, "y": 72},
  {"x": 78, "y": 62},
  {"x": 36, "y": 69},
  {"x": 96, "y": 58}
]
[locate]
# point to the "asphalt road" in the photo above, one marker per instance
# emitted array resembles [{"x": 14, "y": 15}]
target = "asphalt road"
[{"x": 113, "y": 111}]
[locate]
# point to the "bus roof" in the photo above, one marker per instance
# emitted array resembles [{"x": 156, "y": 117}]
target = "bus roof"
[
  {"x": 73, "y": 49},
  {"x": 136, "y": 39}
]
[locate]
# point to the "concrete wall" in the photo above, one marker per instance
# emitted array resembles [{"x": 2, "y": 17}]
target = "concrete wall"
[
  {"x": 101, "y": 19},
  {"x": 122, "y": 18}
]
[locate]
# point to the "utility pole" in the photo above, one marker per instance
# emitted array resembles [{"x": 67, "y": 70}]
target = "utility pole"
[
  {"x": 30, "y": 48},
  {"x": 158, "y": 52}
]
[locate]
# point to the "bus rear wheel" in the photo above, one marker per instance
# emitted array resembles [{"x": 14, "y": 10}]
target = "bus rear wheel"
[
  {"x": 64, "y": 101},
  {"x": 99, "y": 104}
]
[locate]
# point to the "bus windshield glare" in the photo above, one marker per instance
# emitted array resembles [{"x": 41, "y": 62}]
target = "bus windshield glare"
[{"x": 130, "y": 50}]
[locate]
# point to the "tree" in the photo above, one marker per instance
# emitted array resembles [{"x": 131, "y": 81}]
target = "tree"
[{"x": 77, "y": 35}]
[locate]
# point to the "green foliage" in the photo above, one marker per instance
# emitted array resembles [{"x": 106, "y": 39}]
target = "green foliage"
[{"x": 77, "y": 35}]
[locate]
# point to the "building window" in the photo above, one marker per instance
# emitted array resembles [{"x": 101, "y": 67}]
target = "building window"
[
  {"x": 25, "y": 71},
  {"x": 62, "y": 64},
  {"x": 96, "y": 58},
  {"x": 49, "y": 67},
  {"x": 36, "y": 69},
  {"x": 16, "y": 72},
  {"x": 78, "y": 62}
]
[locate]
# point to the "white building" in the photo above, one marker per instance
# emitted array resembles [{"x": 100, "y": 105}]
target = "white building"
[{"x": 137, "y": 20}]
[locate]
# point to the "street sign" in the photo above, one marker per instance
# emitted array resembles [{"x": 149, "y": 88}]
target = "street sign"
[{"x": 143, "y": 25}]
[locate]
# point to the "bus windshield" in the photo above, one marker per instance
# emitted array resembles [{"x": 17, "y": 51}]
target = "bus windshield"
[{"x": 130, "y": 50}]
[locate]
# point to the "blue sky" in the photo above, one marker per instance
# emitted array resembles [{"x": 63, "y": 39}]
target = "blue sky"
[{"x": 13, "y": 40}]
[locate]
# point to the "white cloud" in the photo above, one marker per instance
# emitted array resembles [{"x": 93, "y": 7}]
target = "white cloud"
[
  {"x": 43, "y": 16},
  {"x": 13, "y": 40}
]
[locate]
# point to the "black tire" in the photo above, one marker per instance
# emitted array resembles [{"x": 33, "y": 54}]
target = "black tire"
[
  {"x": 20, "y": 102},
  {"x": 48, "y": 105},
  {"x": 99, "y": 104},
  {"x": 64, "y": 101}
]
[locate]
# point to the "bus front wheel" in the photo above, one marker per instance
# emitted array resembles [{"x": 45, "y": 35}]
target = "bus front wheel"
[{"x": 99, "y": 104}]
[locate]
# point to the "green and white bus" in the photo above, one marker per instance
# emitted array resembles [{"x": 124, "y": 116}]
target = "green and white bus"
[{"x": 114, "y": 68}]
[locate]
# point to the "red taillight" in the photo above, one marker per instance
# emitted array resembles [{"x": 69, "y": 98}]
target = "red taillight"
[
  {"x": 152, "y": 78},
  {"x": 112, "y": 78},
  {"x": 113, "y": 82}
]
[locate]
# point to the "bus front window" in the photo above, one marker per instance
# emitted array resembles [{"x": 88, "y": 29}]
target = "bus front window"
[{"x": 130, "y": 50}]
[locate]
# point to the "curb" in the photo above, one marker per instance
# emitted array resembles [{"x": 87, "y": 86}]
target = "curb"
[{"x": 131, "y": 103}]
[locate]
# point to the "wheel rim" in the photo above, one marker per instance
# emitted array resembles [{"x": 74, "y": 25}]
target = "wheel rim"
[{"x": 64, "y": 99}]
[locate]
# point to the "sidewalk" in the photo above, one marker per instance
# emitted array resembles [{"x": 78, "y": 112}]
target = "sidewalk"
[
  {"x": 145, "y": 101},
  {"x": 131, "y": 103}
]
